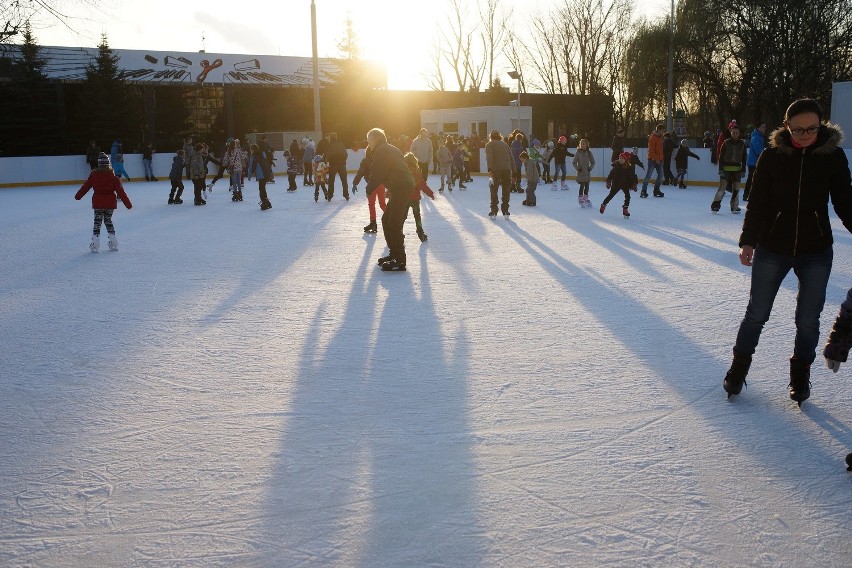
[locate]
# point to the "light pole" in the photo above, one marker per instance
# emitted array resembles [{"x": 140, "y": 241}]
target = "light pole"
[
  {"x": 517, "y": 76},
  {"x": 315, "y": 65},
  {"x": 670, "y": 101}
]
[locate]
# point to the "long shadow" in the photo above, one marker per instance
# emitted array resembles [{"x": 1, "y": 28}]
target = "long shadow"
[
  {"x": 272, "y": 258},
  {"x": 375, "y": 467},
  {"x": 615, "y": 312}
]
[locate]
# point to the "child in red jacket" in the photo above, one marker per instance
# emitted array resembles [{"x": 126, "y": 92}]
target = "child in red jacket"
[
  {"x": 419, "y": 185},
  {"x": 107, "y": 188}
]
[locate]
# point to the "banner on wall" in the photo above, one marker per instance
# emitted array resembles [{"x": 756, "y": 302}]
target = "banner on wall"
[{"x": 194, "y": 68}]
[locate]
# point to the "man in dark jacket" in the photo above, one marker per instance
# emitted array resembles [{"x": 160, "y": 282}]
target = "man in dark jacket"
[
  {"x": 336, "y": 157},
  {"x": 388, "y": 168},
  {"x": 617, "y": 145},
  {"x": 668, "y": 150}
]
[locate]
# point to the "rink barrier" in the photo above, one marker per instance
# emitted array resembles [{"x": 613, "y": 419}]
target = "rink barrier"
[{"x": 35, "y": 171}]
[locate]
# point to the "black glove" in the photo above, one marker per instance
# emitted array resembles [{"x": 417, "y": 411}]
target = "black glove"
[{"x": 839, "y": 341}]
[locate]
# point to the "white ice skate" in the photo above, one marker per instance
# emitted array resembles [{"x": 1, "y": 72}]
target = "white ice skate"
[
  {"x": 95, "y": 244},
  {"x": 112, "y": 242}
]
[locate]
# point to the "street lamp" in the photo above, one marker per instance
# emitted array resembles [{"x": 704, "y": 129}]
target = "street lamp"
[{"x": 517, "y": 76}]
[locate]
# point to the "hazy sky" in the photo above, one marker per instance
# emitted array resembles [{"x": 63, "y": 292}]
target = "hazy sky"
[{"x": 399, "y": 32}]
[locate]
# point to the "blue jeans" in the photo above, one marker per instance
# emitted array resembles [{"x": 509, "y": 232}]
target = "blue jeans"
[
  {"x": 559, "y": 167},
  {"x": 653, "y": 165},
  {"x": 149, "y": 170},
  {"x": 767, "y": 272}
]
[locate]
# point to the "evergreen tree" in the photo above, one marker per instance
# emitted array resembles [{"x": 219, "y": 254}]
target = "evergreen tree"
[
  {"x": 28, "y": 103},
  {"x": 107, "y": 106}
]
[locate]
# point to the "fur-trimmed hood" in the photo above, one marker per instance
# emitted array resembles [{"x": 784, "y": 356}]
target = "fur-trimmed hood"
[{"x": 828, "y": 139}]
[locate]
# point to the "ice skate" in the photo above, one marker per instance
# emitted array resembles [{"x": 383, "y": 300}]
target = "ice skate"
[
  {"x": 384, "y": 259},
  {"x": 112, "y": 242},
  {"x": 553, "y": 187},
  {"x": 658, "y": 193},
  {"x": 564, "y": 186},
  {"x": 371, "y": 227},
  {"x": 735, "y": 210},
  {"x": 265, "y": 204},
  {"x": 800, "y": 380},
  {"x": 625, "y": 212},
  {"x": 715, "y": 206},
  {"x": 603, "y": 208},
  {"x": 422, "y": 236},
  {"x": 393, "y": 265},
  {"x": 95, "y": 244},
  {"x": 581, "y": 201},
  {"x": 736, "y": 375},
  {"x": 588, "y": 202}
]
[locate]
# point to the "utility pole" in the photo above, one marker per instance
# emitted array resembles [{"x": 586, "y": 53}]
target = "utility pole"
[
  {"x": 670, "y": 102},
  {"x": 513, "y": 74},
  {"x": 316, "y": 86}
]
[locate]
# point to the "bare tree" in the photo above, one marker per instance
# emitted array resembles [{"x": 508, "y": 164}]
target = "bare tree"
[
  {"x": 14, "y": 13},
  {"x": 494, "y": 21}
]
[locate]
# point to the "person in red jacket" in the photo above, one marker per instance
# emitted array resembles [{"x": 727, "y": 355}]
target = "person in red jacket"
[
  {"x": 419, "y": 185},
  {"x": 107, "y": 190}
]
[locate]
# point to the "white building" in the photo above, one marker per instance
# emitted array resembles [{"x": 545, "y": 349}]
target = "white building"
[
  {"x": 841, "y": 109},
  {"x": 480, "y": 120}
]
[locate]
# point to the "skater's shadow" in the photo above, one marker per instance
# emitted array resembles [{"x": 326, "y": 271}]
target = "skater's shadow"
[{"x": 366, "y": 466}]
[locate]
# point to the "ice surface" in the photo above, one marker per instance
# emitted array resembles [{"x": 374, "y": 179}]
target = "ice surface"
[{"x": 245, "y": 388}]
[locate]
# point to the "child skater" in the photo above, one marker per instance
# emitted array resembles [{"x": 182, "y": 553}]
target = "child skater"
[
  {"x": 292, "y": 170},
  {"x": 235, "y": 160},
  {"x": 681, "y": 159},
  {"x": 531, "y": 173},
  {"x": 419, "y": 185},
  {"x": 106, "y": 187},
  {"x": 176, "y": 177},
  {"x": 445, "y": 165},
  {"x": 559, "y": 155},
  {"x": 119, "y": 166},
  {"x": 458, "y": 166},
  {"x": 584, "y": 163},
  {"x": 621, "y": 178},
  {"x": 320, "y": 177},
  {"x": 377, "y": 194}
]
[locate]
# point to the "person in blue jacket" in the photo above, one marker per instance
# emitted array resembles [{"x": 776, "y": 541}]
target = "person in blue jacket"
[{"x": 755, "y": 147}]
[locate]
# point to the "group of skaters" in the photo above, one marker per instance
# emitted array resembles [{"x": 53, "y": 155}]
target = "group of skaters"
[{"x": 786, "y": 225}]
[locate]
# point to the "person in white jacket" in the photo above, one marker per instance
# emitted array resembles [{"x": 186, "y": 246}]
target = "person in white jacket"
[{"x": 421, "y": 147}]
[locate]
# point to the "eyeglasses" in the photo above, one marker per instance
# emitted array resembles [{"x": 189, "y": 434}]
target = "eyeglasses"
[{"x": 803, "y": 131}]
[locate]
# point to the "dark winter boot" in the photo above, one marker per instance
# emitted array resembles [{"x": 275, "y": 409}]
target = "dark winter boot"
[
  {"x": 171, "y": 197},
  {"x": 178, "y": 200},
  {"x": 800, "y": 380},
  {"x": 736, "y": 376},
  {"x": 393, "y": 265}
]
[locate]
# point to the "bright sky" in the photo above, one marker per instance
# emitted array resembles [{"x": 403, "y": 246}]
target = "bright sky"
[{"x": 399, "y": 32}]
